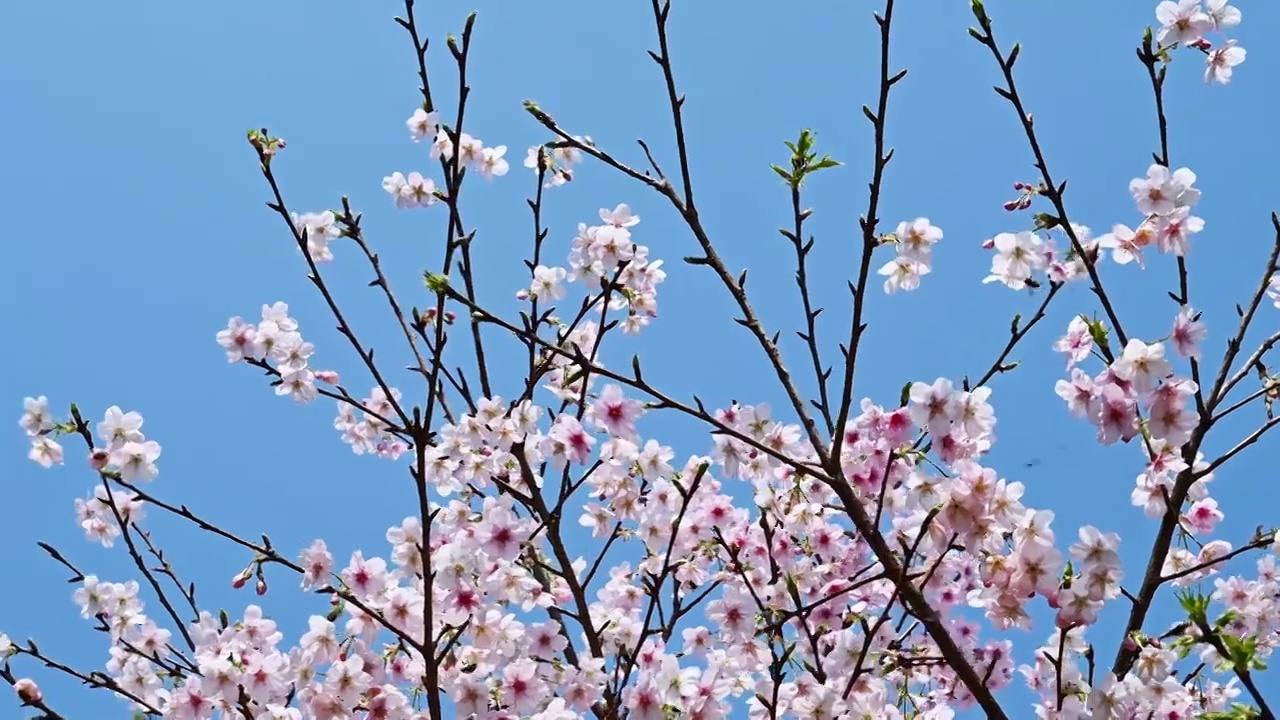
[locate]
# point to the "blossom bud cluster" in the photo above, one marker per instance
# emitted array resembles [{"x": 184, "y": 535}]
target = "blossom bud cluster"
[
  {"x": 39, "y": 426},
  {"x": 124, "y": 452},
  {"x": 558, "y": 161},
  {"x": 1020, "y": 256},
  {"x": 319, "y": 229},
  {"x": 914, "y": 242},
  {"x": 416, "y": 190},
  {"x": 1141, "y": 381},
  {"x": 1188, "y": 22},
  {"x": 370, "y": 433},
  {"x": 606, "y": 256},
  {"x": 275, "y": 339},
  {"x": 1166, "y": 199}
]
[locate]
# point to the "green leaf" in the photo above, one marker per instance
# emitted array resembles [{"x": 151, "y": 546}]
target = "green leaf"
[
  {"x": 1195, "y": 604},
  {"x": 435, "y": 283},
  {"x": 1097, "y": 331}
]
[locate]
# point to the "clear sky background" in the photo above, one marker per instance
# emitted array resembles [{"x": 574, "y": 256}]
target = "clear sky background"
[{"x": 135, "y": 227}]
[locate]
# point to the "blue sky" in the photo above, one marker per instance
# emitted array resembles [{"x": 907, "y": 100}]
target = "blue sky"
[{"x": 136, "y": 227}]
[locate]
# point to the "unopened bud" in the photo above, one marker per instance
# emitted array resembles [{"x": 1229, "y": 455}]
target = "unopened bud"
[
  {"x": 1012, "y": 205},
  {"x": 989, "y": 244},
  {"x": 261, "y": 587},
  {"x": 449, "y": 317},
  {"x": 522, "y": 295},
  {"x": 28, "y": 692},
  {"x": 239, "y": 580},
  {"x": 98, "y": 458},
  {"x": 327, "y": 376}
]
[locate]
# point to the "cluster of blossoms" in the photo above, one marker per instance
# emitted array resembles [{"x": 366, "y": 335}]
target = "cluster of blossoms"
[
  {"x": 38, "y": 423},
  {"x": 1166, "y": 199},
  {"x": 801, "y": 555},
  {"x": 416, "y": 190},
  {"x": 606, "y": 256},
  {"x": 319, "y": 229},
  {"x": 914, "y": 241},
  {"x": 791, "y": 576},
  {"x": 504, "y": 659},
  {"x": 276, "y": 340},
  {"x": 1187, "y": 22},
  {"x": 126, "y": 451},
  {"x": 1140, "y": 378},
  {"x": 242, "y": 664},
  {"x": 1250, "y": 612},
  {"x": 1021, "y": 255},
  {"x": 370, "y": 432},
  {"x": 779, "y": 604},
  {"x": 557, "y": 160}
]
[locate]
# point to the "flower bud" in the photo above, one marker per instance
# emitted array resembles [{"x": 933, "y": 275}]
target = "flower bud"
[
  {"x": 327, "y": 376},
  {"x": 239, "y": 580},
  {"x": 98, "y": 458},
  {"x": 28, "y": 692},
  {"x": 261, "y": 587},
  {"x": 1011, "y": 205}
]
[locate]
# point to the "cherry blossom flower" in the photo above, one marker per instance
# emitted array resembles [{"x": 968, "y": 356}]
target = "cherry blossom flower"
[
  {"x": 903, "y": 273},
  {"x": 1182, "y": 21},
  {"x": 1222, "y": 61},
  {"x": 917, "y": 238},
  {"x": 319, "y": 229},
  {"x": 1077, "y": 343},
  {"x": 35, "y": 416},
  {"x": 423, "y": 124},
  {"x": 547, "y": 283},
  {"x": 1188, "y": 333},
  {"x": 1018, "y": 256},
  {"x": 492, "y": 163}
]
